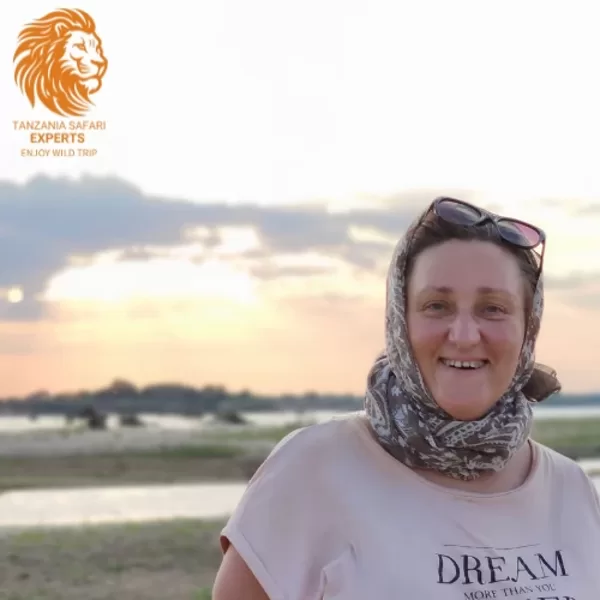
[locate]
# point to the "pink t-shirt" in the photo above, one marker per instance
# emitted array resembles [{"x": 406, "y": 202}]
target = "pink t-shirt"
[{"x": 330, "y": 515}]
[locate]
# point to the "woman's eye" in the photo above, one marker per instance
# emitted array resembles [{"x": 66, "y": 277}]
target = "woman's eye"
[
  {"x": 435, "y": 306},
  {"x": 494, "y": 310}
]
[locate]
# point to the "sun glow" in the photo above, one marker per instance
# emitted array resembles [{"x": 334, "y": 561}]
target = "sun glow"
[
  {"x": 14, "y": 295},
  {"x": 157, "y": 278}
]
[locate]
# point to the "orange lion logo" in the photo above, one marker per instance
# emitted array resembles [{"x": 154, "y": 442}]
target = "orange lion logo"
[{"x": 59, "y": 62}]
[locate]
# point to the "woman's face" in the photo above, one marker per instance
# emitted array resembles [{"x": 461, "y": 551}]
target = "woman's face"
[{"x": 466, "y": 321}]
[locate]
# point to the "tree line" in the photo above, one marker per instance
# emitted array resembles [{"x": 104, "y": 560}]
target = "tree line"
[{"x": 123, "y": 397}]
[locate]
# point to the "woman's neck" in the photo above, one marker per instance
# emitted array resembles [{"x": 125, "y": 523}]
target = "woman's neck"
[{"x": 509, "y": 478}]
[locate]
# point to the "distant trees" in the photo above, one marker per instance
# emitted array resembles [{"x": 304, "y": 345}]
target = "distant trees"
[
  {"x": 123, "y": 387},
  {"x": 122, "y": 397}
]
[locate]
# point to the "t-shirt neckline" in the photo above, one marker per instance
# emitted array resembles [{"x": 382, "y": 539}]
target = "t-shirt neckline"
[{"x": 360, "y": 423}]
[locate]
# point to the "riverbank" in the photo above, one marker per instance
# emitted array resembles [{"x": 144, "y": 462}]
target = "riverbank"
[
  {"x": 81, "y": 458},
  {"x": 172, "y": 466},
  {"x": 576, "y": 438},
  {"x": 175, "y": 559},
  {"x": 172, "y": 559}
]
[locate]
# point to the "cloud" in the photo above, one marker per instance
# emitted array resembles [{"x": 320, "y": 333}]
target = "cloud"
[
  {"x": 586, "y": 300},
  {"x": 577, "y": 289},
  {"x": 574, "y": 281},
  {"x": 48, "y": 222},
  {"x": 267, "y": 272},
  {"x": 582, "y": 208}
]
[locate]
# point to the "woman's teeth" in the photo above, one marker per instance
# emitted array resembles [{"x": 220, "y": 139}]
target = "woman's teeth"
[{"x": 461, "y": 364}]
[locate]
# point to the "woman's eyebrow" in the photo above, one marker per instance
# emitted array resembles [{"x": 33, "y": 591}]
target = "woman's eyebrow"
[{"x": 444, "y": 289}]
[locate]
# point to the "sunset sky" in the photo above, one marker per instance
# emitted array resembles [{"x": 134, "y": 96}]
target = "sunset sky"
[{"x": 261, "y": 159}]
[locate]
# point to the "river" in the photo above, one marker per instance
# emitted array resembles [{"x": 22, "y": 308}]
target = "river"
[
  {"x": 121, "y": 504},
  {"x": 62, "y": 507},
  {"x": 23, "y": 424},
  {"x": 30, "y": 508}
]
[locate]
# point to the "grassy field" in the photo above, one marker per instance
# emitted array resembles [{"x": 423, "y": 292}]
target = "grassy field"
[
  {"x": 174, "y": 465},
  {"x": 576, "y": 438},
  {"x": 215, "y": 456},
  {"x": 222, "y": 456},
  {"x": 261, "y": 434},
  {"x": 175, "y": 559}
]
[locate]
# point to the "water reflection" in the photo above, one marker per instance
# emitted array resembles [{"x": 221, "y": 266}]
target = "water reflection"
[
  {"x": 23, "y": 424},
  {"x": 118, "y": 504},
  {"x": 22, "y": 508},
  {"x": 121, "y": 504}
]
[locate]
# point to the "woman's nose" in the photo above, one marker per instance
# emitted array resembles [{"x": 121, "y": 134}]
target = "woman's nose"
[{"x": 464, "y": 330}]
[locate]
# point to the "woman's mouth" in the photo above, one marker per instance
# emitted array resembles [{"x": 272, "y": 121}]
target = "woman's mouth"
[{"x": 464, "y": 364}]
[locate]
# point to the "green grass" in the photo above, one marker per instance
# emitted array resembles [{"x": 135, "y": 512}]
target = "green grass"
[
  {"x": 199, "y": 451},
  {"x": 570, "y": 436},
  {"x": 170, "y": 559},
  {"x": 266, "y": 434},
  {"x": 224, "y": 454},
  {"x": 174, "y": 559},
  {"x": 190, "y": 463}
]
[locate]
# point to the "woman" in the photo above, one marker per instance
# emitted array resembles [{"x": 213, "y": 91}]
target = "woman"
[{"x": 435, "y": 490}]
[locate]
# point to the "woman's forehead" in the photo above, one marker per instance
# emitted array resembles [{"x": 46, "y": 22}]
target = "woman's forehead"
[{"x": 472, "y": 266}]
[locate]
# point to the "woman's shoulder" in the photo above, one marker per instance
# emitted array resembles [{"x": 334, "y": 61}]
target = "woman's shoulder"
[
  {"x": 325, "y": 439},
  {"x": 287, "y": 525},
  {"x": 556, "y": 461},
  {"x": 564, "y": 472}
]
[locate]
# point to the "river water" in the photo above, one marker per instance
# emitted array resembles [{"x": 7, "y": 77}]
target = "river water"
[
  {"x": 23, "y": 424},
  {"x": 121, "y": 504},
  {"x": 61, "y": 507},
  {"x": 31, "y": 508}
]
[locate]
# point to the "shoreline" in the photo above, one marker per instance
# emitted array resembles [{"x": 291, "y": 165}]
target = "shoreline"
[
  {"x": 76, "y": 457},
  {"x": 153, "y": 557}
]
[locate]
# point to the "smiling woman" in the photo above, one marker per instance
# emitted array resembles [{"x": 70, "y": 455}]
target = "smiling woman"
[
  {"x": 466, "y": 325},
  {"x": 436, "y": 489}
]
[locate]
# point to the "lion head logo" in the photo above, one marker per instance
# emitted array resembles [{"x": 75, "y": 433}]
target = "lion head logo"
[{"x": 59, "y": 62}]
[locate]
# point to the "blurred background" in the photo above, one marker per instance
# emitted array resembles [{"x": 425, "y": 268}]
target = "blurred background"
[{"x": 211, "y": 276}]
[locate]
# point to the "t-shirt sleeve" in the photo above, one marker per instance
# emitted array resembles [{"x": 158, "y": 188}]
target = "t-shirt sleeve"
[
  {"x": 285, "y": 524},
  {"x": 594, "y": 496}
]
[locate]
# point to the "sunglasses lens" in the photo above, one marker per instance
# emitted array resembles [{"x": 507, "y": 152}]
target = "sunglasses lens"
[
  {"x": 457, "y": 213},
  {"x": 519, "y": 233}
]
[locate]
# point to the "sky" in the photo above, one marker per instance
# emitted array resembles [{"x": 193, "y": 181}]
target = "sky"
[{"x": 260, "y": 160}]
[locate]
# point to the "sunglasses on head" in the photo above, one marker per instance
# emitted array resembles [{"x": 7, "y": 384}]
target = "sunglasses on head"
[{"x": 515, "y": 232}]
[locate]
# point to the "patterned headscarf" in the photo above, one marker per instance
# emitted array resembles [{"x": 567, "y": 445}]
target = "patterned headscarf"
[{"x": 414, "y": 429}]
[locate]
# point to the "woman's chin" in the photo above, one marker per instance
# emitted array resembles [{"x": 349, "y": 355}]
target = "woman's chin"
[
  {"x": 463, "y": 408},
  {"x": 465, "y": 395}
]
